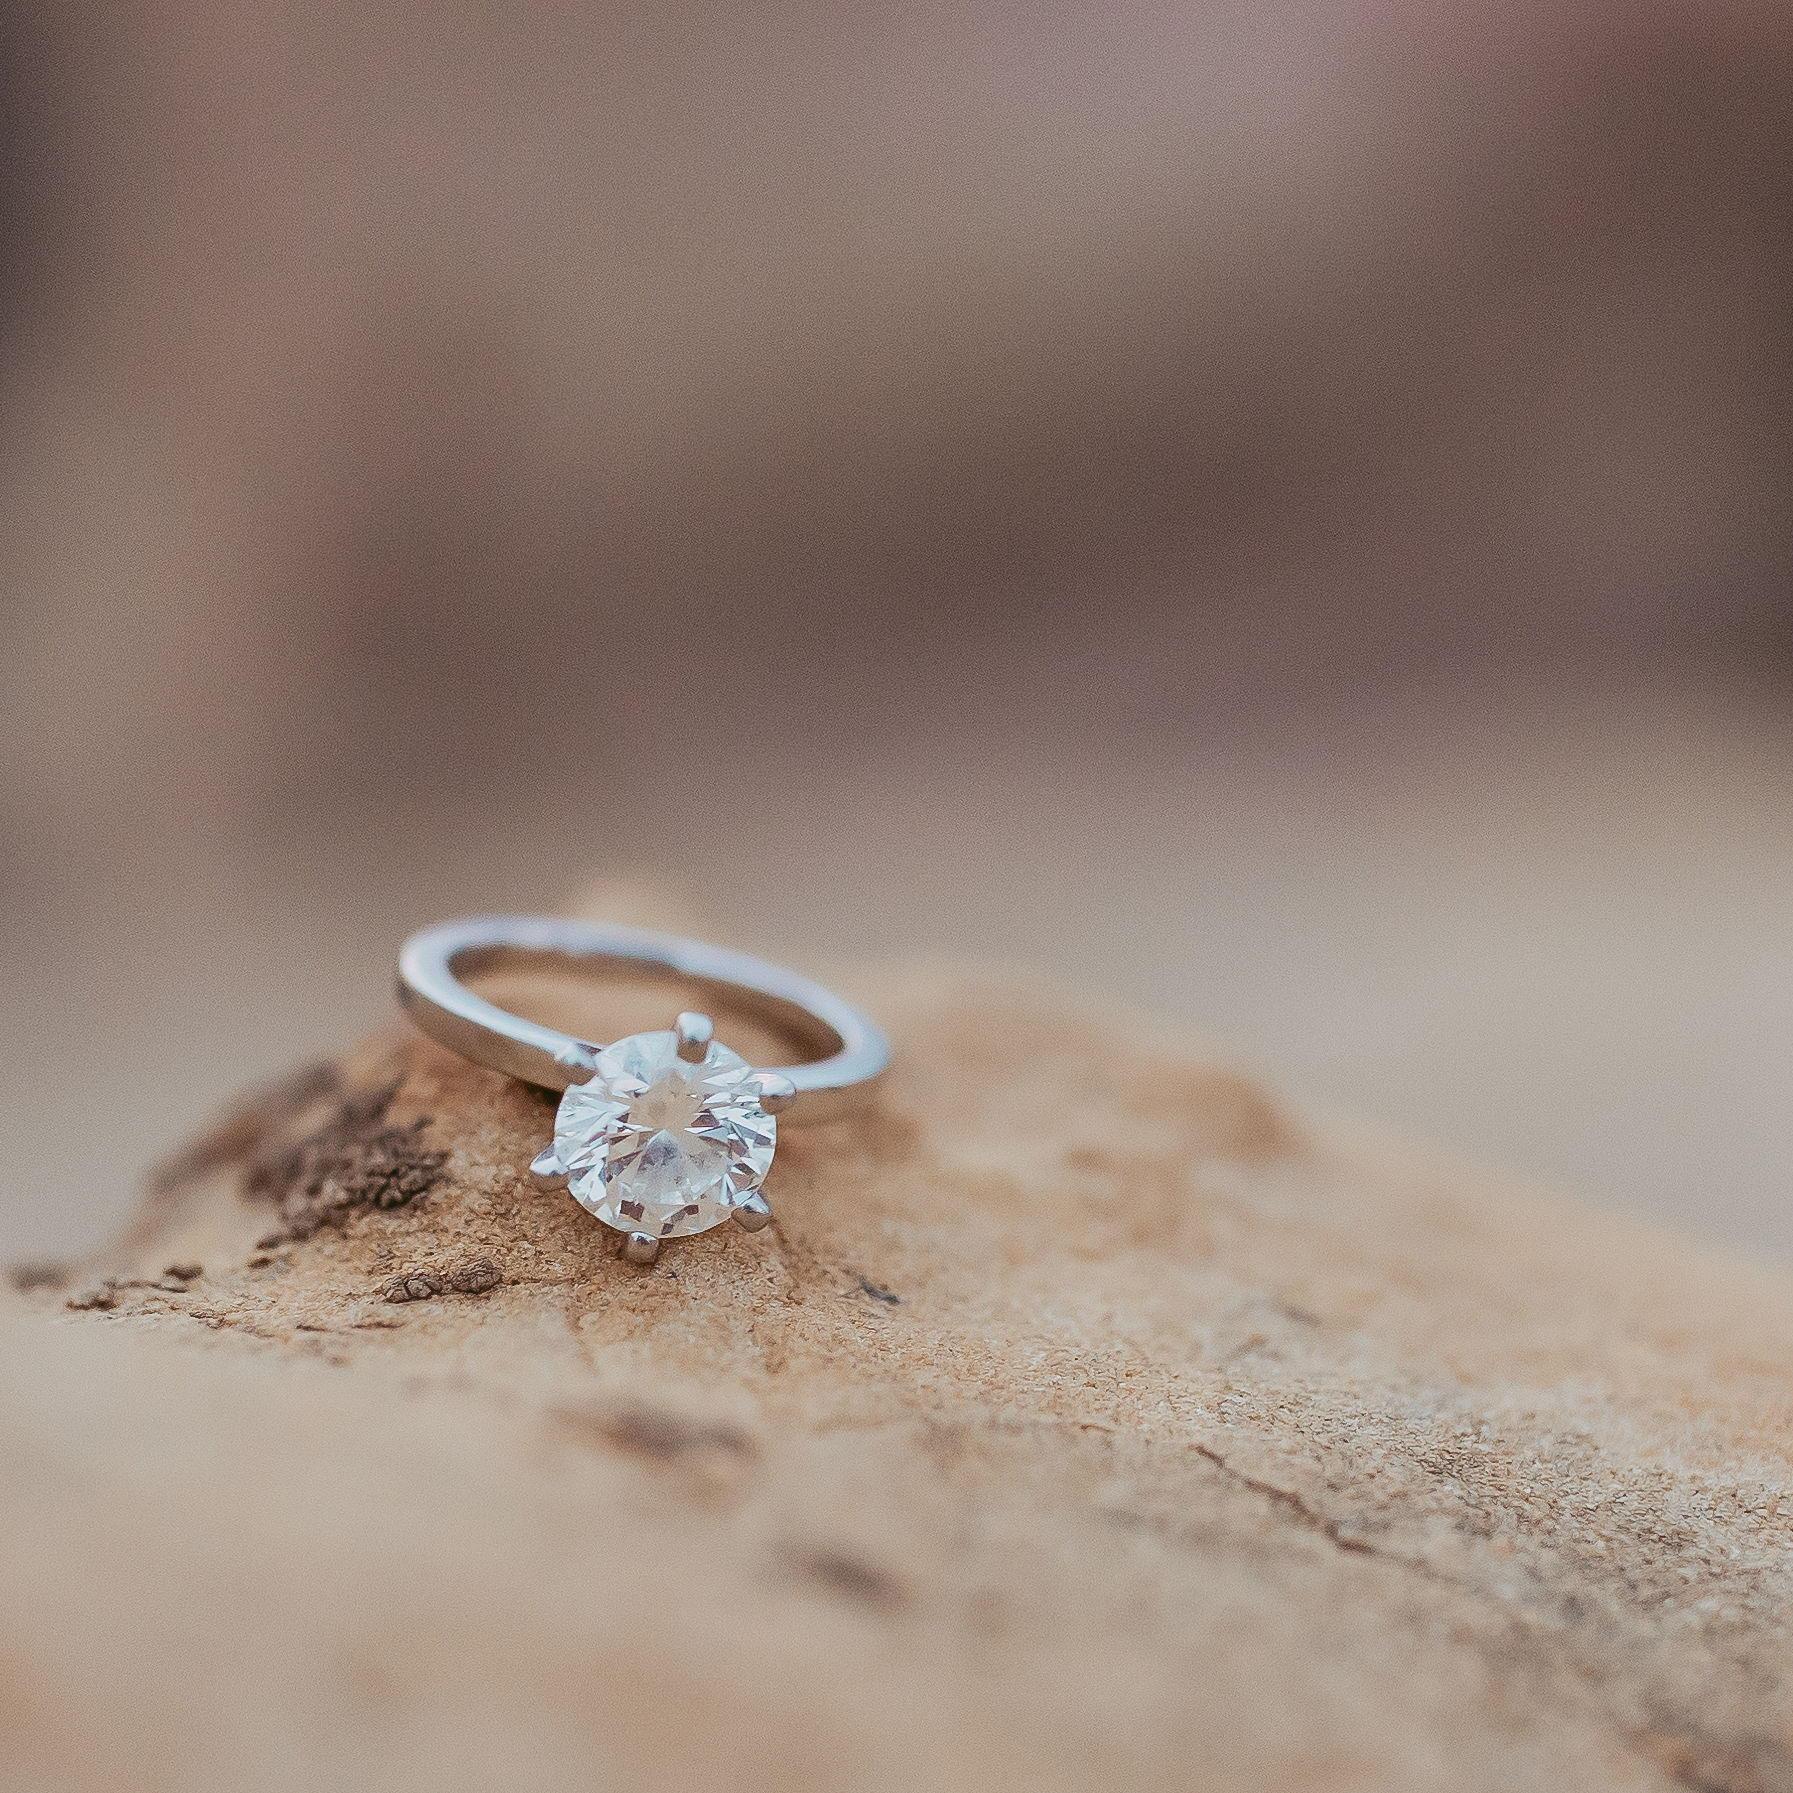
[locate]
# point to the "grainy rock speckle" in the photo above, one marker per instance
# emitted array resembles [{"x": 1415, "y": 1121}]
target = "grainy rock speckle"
[
  {"x": 478, "y": 1276},
  {"x": 411, "y": 1285}
]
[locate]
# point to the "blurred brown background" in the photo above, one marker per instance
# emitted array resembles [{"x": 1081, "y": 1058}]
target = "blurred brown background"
[{"x": 1277, "y": 510}]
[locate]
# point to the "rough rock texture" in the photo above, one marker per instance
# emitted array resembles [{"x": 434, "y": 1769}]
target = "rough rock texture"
[{"x": 1089, "y": 1420}]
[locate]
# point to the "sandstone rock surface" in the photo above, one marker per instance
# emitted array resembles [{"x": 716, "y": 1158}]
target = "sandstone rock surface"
[{"x": 1090, "y": 1419}]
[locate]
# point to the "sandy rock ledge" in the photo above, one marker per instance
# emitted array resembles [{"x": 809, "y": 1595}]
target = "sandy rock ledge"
[{"x": 1087, "y": 1420}]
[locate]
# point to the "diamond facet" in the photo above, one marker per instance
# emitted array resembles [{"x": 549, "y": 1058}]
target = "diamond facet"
[{"x": 653, "y": 1144}]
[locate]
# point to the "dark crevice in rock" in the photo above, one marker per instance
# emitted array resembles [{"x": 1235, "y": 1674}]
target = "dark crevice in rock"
[
  {"x": 1699, "y": 1761},
  {"x": 354, "y": 1158},
  {"x": 851, "y": 1577},
  {"x": 30, "y": 1277},
  {"x": 655, "y": 1433},
  {"x": 1322, "y": 1524}
]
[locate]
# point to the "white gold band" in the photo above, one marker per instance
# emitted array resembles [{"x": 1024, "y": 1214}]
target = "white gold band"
[{"x": 850, "y": 1050}]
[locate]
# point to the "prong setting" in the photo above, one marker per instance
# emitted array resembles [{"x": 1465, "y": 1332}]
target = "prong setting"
[
  {"x": 578, "y": 1057},
  {"x": 641, "y": 1248},
  {"x": 752, "y": 1214},
  {"x": 777, "y": 1091},
  {"x": 694, "y": 1033}
]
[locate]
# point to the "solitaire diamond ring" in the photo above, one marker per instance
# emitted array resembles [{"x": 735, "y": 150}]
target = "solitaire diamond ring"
[{"x": 658, "y": 1135}]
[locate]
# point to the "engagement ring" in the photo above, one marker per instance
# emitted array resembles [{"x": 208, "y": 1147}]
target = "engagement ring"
[{"x": 658, "y": 1135}]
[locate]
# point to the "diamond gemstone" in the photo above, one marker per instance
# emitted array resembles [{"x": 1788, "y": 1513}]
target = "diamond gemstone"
[{"x": 655, "y": 1145}]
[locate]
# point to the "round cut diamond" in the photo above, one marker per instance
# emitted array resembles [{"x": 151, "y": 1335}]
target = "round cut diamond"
[{"x": 655, "y": 1145}]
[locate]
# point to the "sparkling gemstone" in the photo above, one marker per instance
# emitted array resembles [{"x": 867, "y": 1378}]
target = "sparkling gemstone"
[{"x": 655, "y": 1145}]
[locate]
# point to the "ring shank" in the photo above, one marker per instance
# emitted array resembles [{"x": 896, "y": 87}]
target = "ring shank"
[{"x": 851, "y": 1050}]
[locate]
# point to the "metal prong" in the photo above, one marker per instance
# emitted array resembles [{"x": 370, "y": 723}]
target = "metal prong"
[
  {"x": 578, "y": 1057},
  {"x": 546, "y": 1165},
  {"x": 777, "y": 1091},
  {"x": 753, "y": 1214},
  {"x": 641, "y": 1248},
  {"x": 695, "y": 1032}
]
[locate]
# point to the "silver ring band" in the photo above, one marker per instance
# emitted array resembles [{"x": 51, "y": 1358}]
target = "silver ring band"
[{"x": 849, "y": 1049}]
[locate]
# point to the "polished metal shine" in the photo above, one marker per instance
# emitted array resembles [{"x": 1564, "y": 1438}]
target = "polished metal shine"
[{"x": 847, "y": 1052}]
